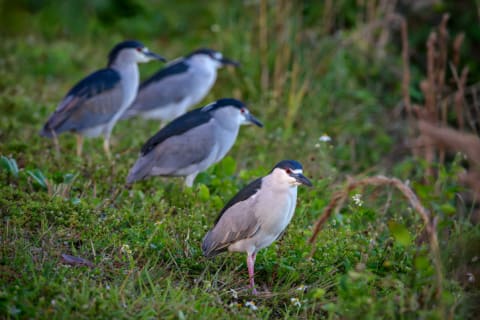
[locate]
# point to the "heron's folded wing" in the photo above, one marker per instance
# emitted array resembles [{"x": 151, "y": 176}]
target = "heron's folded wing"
[
  {"x": 237, "y": 221},
  {"x": 168, "y": 86},
  {"x": 179, "y": 126},
  {"x": 91, "y": 102},
  {"x": 179, "y": 151}
]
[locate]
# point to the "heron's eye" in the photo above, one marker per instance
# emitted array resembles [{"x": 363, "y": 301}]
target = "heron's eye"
[
  {"x": 139, "y": 49},
  {"x": 288, "y": 171},
  {"x": 243, "y": 110}
]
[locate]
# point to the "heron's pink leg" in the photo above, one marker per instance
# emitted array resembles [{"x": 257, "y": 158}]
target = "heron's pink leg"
[
  {"x": 251, "y": 268},
  {"x": 79, "y": 145}
]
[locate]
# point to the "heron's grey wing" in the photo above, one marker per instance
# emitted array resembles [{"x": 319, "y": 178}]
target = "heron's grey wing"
[
  {"x": 179, "y": 126},
  {"x": 177, "y": 154},
  {"x": 248, "y": 191},
  {"x": 236, "y": 222},
  {"x": 181, "y": 151},
  {"x": 170, "y": 86},
  {"x": 91, "y": 102}
]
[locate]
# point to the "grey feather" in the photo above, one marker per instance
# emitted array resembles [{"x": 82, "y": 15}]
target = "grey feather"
[
  {"x": 92, "y": 102},
  {"x": 237, "y": 223},
  {"x": 176, "y": 154},
  {"x": 169, "y": 90}
]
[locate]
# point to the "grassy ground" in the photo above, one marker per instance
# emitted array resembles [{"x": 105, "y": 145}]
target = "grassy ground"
[{"x": 371, "y": 260}]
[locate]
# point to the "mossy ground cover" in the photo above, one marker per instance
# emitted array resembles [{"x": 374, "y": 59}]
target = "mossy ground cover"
[{"x": 143, "y": 242}]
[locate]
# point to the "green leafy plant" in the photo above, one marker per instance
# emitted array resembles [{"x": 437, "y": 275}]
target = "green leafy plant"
[{"x": 10, "y": 165}]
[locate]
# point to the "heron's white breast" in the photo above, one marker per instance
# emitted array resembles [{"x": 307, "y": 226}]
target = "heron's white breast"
[
  {"x": 130, "y": 80},
  {"x": 274, "y": 212},
  {"x": 168, "y": 112},
  {"x": 203, "y": 75},
  {"x": 224, "y": 140}
]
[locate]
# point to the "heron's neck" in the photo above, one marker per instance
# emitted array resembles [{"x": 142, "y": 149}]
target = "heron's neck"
[
  {"x": 130, "y": 79},
  {"x": 276, "y": 181},
  {"x": 227, "y": 118},
  {"x": 204, "y": 63}
]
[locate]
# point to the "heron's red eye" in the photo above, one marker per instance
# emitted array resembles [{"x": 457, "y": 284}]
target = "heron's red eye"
[
  {"x": 242, "y": 110},
  {"x": 288, "y": 171},
  {"x": 139, "y": 49}
]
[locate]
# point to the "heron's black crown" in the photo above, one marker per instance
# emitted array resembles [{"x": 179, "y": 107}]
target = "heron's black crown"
[
  {"x": 225, "y": 102},
  {"x": 129, "y": 44},
  {"x": 207, "y": 51},
  {"x": 289, "y": 164}
]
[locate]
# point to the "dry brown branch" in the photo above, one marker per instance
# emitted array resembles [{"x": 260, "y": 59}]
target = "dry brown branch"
[
  {"x": 429, "y": 86},
  {"x": 457, "y": 141},
  {"x": 284, "y": 53},
  {"x": 471, "y": 178},
  {"x": 365, "y": 32},
  {"x": 476, "y": 107},
  {"x": 453, "y": 140},
  {"x": 457, "y": 43},
  {"x": 405, "y": 67},
  {"x": 328, "y": 16},
  {"x": 440, "y": 98},
  {"x": 441, "y": 63},
  {"x": 263, "y": 44},
  {"x": 470, "y": 93},
  {"x": 336, "y": 201},
  {"x": 459, "y": 99},
  {"x": 339, "y": 198}
]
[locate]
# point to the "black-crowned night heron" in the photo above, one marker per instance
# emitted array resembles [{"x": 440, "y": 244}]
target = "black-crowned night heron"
[
  {"x": 257, "y": 215},
  {"x": 180, "y": 85},
  {"x": 193, "y": 142},
  {"x": 93, "y": 105}
]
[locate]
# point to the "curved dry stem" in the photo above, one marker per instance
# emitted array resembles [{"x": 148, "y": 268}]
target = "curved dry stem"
[{"x": 430, "y": 224}]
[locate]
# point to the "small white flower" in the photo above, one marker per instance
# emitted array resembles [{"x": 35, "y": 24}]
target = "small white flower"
[
  {"x": 295, "y": 302},
  {"x": 317, "y": 145},
  {"x": 325, "y": 138},
  {"x": 302, "y": 288},
  {"x": 234, "y": 294},
  {"x": 251, "y": 305},
  {"x": 125, "y": 249},
  {"x": 215, "y": 28},
  {"x": 357, "y": 199},
  {"x": 470, "y": 277},
  {"x": 14, "y": 311}
]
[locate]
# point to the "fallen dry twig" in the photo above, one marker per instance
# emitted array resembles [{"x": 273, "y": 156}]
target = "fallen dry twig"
[{"x": 76, "y": 261}]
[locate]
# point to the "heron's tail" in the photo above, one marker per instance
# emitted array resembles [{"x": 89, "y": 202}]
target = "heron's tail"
[
  {"x": 130, "y": 112},
  {"x": 140, "y": 170},
  {"x": 210, "y": 247},
  {"x": 47, "y": 130}
]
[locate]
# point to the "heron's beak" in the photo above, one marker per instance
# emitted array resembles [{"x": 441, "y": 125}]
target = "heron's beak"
[
  {"x": 302, "y": 179},
  {"x": 255, "y": 121},
  {"x": 226, "y": 61},
  {"x": 154, "y": 56}
]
